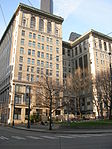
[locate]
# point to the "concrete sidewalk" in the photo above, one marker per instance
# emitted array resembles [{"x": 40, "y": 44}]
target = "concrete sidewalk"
[{"x": 66, "y": 131}]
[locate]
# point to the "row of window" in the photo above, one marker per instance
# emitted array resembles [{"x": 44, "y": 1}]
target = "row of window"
[
  {"x": 42, "y": 24},
  {"x": 39, "y": 63},
  {"x": 33, "y": 44},
  {"x": 103, "y": 56},
  {"x": 32, "y": 52},
  {"x": 102, "y": 44},
  {"x": 31, "y": 77}
]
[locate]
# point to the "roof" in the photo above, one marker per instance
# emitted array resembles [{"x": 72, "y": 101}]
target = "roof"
[
  {"x": 85, "y": 35},
  {"x": 22, "y": 6}
]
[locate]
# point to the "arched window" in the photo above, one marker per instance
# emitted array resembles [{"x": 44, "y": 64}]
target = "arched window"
[
  {"x": 32, "y": 22},
  {"x": 41, "y": 24},
  {"x": 49, "y": 27}
]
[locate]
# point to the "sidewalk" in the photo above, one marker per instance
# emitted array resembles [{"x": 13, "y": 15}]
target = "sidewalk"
[{"x": 65, "y": 131}]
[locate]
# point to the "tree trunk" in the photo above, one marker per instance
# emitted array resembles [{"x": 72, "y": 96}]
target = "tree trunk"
[{"x": 50, "y": 114}]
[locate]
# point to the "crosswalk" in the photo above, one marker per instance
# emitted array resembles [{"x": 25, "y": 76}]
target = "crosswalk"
[{"x": 49, "y": 137}]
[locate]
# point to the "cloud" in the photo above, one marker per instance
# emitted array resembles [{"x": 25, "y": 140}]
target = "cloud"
[{"x": 65, "y": 8}]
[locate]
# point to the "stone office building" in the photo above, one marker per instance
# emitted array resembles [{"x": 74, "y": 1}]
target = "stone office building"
[
  {"x": 88, "y": 51},
  {"x": 30, "y": 46}
]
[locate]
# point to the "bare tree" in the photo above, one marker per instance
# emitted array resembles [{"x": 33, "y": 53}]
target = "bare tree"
[
  {"x": 80, "y": 83},
  {"x": 103, "y": 90},
  {"x": 48, "y": 95}
]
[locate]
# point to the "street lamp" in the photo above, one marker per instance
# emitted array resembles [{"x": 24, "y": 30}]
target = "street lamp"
[
  {"x": 110, "y": 84},
  {"x": 14, "y": 106}
]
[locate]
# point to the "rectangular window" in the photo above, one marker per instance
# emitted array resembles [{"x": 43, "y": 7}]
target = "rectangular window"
[
  {"x": 47, "y": 55},
  {"x": 80, "y": 63},
  {"x": 33, "y": 61},
  {"x": 38, "y": 70},
  {"x": 29, "y": 51},
  {"x": 30, "y": 43},
  {"x": 50, "y": 48},
  {"x": 51, "y": 40},
  {"x": 34, "y": 36},
  {"x": 57, "y": 73},
  {"x": 57, "y": 50},
  {"x": 76, "y": 64},
  {"x": 28, "y": 77},
  {"x": 68, "y": 52},
  {"x": 50, "y": 56},
  {"x": 33, "y": 52},
  {"x": 21, "y": 59},
  {"x": 100, "y": 44},
  {"x": 28, "y": 61},
  {"x": 38, "y": 54},
  {"x": 49, "y": 27},
  {"x": 47, "y": 64},
  {"x": 38, "y": 45},
  {"x": 76, "y": 52},
  {"x": 32, "y": 78},
  {"x": 63, "y": 51},
  {"x": 39, "y": 37},
  {"x": 41, "y": 24},
  {"x": 38, "y": 62},
  {"x": 33, "y": 44},
  {"x": 19, "y": 75},
  {"x": 23, "y": 33},
  {"x": 57, "y": 58},
  {"x": 32, "y": 22},
  {"x": 28, "y": 68},
  {"x": 32, "y": 69},
  {"x": 57, "y": 42},
  {"x": 22, "y": 41},
  {"x": 109, "y": 47},
  {"x": 47, "y": 71},
  {"x": 85, "y": 62},
  {"x": 42, "y": 63},
  {"x": 57, "y": 66},
  {"x": 50, "y": 73},
  {"x": 42, "y": 71},
  {"x": 47, "y": 47},
  {"x": 30, "y": 35},
  {"x": 42, "y": 46},
  {"x": 51, "y": 65},
  {"x": 42, "y": 54},
  {"x": 42, "y": 38},
  {"x": 47, "y": 39},
  {"x": 105, "y": 46},
  {"x": 20, "y": 67},
  {"x": 80, "y": 48},
  {"x": 21, "y": 50}
]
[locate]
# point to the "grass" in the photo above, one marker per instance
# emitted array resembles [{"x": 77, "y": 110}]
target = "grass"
[{"x": 89, "y": 124}]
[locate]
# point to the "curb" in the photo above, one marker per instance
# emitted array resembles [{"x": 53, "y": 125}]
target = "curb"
[{"x": 65, "y": 132}]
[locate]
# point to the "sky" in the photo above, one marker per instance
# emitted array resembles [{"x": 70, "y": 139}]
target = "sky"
[{"x": 79, "y": 15}]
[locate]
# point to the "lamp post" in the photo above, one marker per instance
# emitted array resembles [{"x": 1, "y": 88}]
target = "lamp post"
[
  {"x": 110, "y": 85},
  {"x": 28, "y": 105},
  {"x": 14, "y": 107}
]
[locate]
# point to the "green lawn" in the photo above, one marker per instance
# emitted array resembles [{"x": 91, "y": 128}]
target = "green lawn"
[{"x": 88, "y": 124}]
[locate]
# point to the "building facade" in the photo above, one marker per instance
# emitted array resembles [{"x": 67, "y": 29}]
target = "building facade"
[
  {"x": 87, "y": 52},
  {"x": 31, "y": 46}
]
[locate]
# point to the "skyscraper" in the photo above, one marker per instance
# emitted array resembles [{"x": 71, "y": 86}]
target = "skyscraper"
[{"x": 47, "y": 5}]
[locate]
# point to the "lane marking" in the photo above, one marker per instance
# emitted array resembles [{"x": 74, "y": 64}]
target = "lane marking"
[
  {"x": 4, "y": 138},
  {"x": 32, "y": 137},
  {"x": 67, "y": 137},
  {"x": 18, "y": 138},
  {"x": 48, "y": 137}
]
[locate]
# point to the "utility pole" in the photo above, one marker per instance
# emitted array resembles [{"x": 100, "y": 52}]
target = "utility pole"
[
  {"x": 29, "y": 90},
  {"x": 14, "y": 107},
  {"x": 50, "y": 114}
]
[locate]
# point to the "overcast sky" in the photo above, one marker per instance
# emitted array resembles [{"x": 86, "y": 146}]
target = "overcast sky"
[{"x": 79, "y": 15}]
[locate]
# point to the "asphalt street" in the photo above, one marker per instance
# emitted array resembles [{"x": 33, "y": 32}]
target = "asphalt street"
[{"x": 11, "y": 138}]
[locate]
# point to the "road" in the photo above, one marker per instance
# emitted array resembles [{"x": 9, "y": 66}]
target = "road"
[{"x": 11, "y": 138}]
